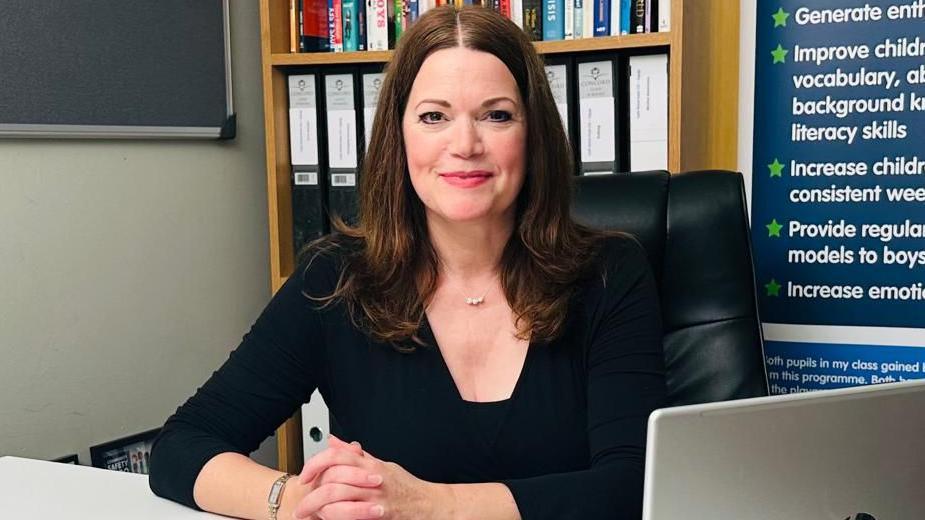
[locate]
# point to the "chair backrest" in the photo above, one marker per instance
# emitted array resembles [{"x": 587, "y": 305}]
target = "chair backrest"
[{"x": 694, "y": 227}]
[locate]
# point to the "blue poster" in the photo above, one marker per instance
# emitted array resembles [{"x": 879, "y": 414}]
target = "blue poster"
[{"x": 838, "y": 204}]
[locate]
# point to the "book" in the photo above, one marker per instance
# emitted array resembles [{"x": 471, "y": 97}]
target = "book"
[
  {"x": 361, "y": 25},
  {"x": 625, "y": 8},
  {"x": 578, "y": 19},
  {"x": 569, "y": 16},
  {"x": 517, "y": 12},
  {"x": 533, "y": 19},
  {"x": 553, "y": 20},
  {"x": 602, "y": 17},
  {"x": 294, "y": 26},
  {"x": 313, "y": 21},
  {"x": 377, "y": 30},
  {"x": 615, "y": 6},
  {"x": 350, "y": 15},
  {"x": 335, "y": 29},
  {"x": 664, "y": 15},
  {"x": 638, "y": 16}
]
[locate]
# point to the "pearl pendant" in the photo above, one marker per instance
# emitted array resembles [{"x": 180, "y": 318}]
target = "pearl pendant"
[{"x": 475, "y": 301}]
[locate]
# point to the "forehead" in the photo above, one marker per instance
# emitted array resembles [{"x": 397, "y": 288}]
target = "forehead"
[{"x": 458, "y": 71}]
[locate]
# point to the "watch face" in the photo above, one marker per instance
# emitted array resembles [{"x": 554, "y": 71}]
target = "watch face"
[{"x": 274, "y": 493}]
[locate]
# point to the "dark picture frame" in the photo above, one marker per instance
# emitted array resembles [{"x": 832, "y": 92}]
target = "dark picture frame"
[
  {"x": 68, "y": 459},
  {"x": 130, "y": 454}
]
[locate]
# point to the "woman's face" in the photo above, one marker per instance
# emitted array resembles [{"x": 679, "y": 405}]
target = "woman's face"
[{"x": 465, "y": 136}]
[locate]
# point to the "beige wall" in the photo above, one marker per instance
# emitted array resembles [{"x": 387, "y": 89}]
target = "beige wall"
[{"x": 128, "y": 270}]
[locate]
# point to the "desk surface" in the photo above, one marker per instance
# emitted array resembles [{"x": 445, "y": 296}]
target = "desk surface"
[{"x": 40, "y": 489}]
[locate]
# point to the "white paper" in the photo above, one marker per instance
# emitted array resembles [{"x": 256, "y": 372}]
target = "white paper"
[
  {"x": 597, "y": 129},
  {"x": 303, "y": 136},
  {"x": 342, "y": 148}
]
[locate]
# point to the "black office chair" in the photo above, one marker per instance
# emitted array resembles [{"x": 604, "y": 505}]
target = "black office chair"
[{"x": 694, "y": 227}]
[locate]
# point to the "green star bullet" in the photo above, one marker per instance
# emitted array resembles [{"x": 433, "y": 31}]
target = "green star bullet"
[
  {"x": 774, "y": 228},
  {"x": 780, "y": 17},
  {"x": 773, "y": 288},
  {"x": 779, "y": 54},
  {"x": 775, "y": 168}
]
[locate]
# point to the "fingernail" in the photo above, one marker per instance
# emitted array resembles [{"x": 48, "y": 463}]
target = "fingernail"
[
  {"x": 374, "y": 479},
  {"x": 377, "y": 511}
]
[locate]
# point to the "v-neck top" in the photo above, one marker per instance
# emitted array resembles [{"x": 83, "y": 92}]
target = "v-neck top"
[{"x": 568, "y": 443}]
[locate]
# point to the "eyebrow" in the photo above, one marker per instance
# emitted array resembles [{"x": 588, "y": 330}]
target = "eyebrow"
[{"x": 487, "y": 102}]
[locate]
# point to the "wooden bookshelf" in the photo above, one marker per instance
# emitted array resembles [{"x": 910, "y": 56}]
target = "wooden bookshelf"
[{"x": 703, "y": 57}]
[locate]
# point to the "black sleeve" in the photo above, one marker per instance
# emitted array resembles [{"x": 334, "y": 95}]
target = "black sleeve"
[
  {"x": 263, "y": 382},
  {"x": 626, "y": 382}
]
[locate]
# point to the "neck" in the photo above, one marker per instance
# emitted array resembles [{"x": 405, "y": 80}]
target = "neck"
[{"x": 472, "y": 250}]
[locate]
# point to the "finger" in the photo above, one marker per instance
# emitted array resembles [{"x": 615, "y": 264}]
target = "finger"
[
  {"x": 352, "y": 511},
  {"x": 350, "y": 475},
  {"x": 354, "y": 446},
  {"x": 327, "y": 459},
  {"x": 329, "y": 494}
]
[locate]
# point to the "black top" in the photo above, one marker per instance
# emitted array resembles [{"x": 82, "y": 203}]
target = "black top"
[{"x": 569, "y": 443}]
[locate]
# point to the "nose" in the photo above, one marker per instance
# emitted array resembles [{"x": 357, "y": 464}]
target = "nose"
[{"x": 466, "y": 140}]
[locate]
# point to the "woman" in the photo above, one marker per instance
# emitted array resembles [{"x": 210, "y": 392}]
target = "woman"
[{"x": 488, "y": 357}]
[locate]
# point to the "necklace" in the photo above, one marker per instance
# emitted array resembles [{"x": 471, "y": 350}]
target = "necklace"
[{"x": 477, "y": 300}]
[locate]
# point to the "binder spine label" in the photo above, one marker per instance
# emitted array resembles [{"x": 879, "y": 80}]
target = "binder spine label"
[
  {"x": 596, "y": 106},
  {"x": 341, "y": 113},
  {"x": 602, "y": 17},
  {"x": 303, "y": 120},
  {"x": 372, "y": 83},
  {"x": 557, "y": 75}
]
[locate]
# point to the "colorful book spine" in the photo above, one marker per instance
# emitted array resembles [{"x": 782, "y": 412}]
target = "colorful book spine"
[
  {"x": 377, "y": 25},
  {"x": 505, "y": 8},
  {"x": 350, "y": 15},
  {"x": 553, "y": 20},
  {"x": 412, "y": 11},
  {"x": 335, "y": 29},
  {"x": 314, "y": 26},
  {"x": 625, "y": 8},
  {"x": 401, "y": 7},
  {"x": 578, "y": 29},
  {"x": 361, "y": 25},
  {"x": 602, "y": 17},
  {"x": 533, "y": 19},
  {"x": 638, "y": 17}
]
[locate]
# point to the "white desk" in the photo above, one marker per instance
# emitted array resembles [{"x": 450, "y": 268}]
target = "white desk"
[{"x": 40, "y": 489}]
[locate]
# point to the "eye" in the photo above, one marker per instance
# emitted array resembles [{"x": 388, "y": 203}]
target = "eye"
[
  {"x": 430, "y": 118},
  {"x": 500, "y": 116}
]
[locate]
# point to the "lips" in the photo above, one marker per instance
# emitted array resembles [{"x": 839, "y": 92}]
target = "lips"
[{"x": 469, "y": 179}]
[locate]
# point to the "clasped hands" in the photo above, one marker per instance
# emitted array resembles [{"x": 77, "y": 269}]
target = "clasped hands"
[{"x": 343, "y": 482}]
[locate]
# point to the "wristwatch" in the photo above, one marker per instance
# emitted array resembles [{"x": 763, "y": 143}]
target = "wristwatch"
[{"x": 276, "y": 495}]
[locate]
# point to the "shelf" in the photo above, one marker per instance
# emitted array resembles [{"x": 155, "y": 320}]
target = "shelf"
[{"x": 632, "y": 41}]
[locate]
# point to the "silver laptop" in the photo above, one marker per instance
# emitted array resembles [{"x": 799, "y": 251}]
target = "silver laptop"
[{"x": 855, "y": 453}]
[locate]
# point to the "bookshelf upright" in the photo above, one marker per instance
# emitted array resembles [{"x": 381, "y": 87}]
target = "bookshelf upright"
[{"x": 703, "y": 56}]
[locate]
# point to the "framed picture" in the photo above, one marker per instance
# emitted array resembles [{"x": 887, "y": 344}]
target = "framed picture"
[
  {"x": 131, "y": 454},
  {"x": 68, "y": 459}
]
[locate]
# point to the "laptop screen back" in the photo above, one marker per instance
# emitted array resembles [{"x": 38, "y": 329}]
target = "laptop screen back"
[{"x": 839, "y": 454}]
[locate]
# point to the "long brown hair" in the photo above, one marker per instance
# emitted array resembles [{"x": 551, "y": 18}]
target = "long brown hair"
[{"x": 390, "y": 272}]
